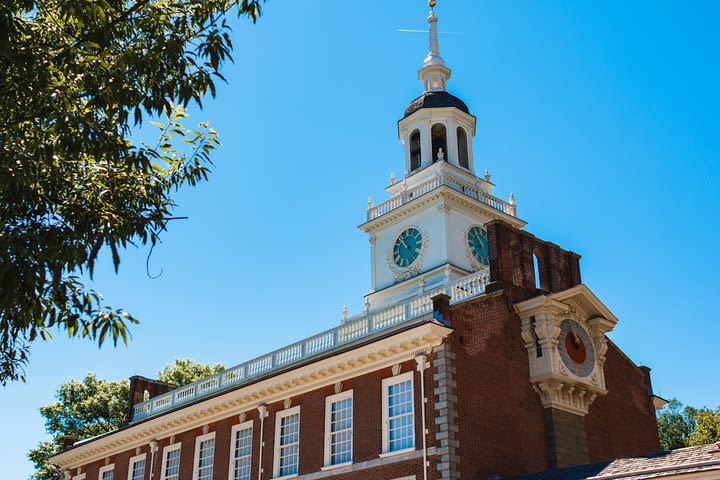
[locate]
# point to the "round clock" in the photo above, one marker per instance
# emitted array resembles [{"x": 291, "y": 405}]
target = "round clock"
[
  {"x": 576, "y": 348},
  {"x": 407, "y": 247},
  {"x": 478, "y": 245}
]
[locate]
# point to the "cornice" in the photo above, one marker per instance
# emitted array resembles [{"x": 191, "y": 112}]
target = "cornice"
[{"x": 373, "y": 356}]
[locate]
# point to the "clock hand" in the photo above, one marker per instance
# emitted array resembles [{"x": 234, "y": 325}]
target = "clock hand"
[{"x": 403, "y": 242}]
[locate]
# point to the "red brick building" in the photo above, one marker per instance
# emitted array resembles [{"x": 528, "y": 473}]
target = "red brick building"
[{"x": 480, "y": 353}]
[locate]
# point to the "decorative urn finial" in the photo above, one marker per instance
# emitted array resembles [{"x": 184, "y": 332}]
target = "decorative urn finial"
[
  {"x": 370, "y": 203},
  {"x": 392, "y": 178},
  {"x": 487, "y": 175},
  {"x": 441, "y": 154}
]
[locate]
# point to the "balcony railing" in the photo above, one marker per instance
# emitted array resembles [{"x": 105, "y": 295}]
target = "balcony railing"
[
  {"x": 437, "y": 182},
  {"x": 355, "y": 329}
]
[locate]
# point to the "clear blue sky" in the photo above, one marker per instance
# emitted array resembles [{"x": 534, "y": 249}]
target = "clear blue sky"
[{"x": 601, "y": 117}]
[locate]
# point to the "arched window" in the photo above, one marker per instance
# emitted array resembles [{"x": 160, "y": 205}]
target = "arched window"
[
  {"x": 439, "y": 141},
  {"x": 415, "y": 158},
  {"x": 462, "y": 148}
]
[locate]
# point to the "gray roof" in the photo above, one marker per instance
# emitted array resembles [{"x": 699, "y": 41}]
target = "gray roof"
[{"x": 704, "y": 458}]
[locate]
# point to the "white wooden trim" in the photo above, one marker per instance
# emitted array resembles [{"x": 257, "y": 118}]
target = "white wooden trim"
[
  {"x": 328, "y": 434},
  {"x": 106, "y": 468},
  {"x": 276, "y": 451},
  {"x": 387, "y": 382},
  {"x": 196, "y": 461},
  {"x": 166, "y": 452},
  {"x": 133, "y": 461},
  {"x": 233, "y": 432},
  {"x": 80, "y": 476}
]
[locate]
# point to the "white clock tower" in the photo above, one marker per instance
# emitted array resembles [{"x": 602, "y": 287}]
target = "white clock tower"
[{"x": 431, "y": 230}]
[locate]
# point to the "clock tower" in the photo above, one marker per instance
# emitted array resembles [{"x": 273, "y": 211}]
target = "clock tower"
[{"x": 431, "y": 230}]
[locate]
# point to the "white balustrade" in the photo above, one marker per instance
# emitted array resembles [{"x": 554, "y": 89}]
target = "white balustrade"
[
  {"x": 184, "y": 394},
  {"x": 358, "y": 327},
  {"x": 436, "y": 182}
]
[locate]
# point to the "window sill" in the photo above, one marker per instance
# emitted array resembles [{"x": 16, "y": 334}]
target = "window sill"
[
  {"x": 337, "y": 465},
  {"x": 397, "y": 452},
  {"x": 286, "y": 477}
]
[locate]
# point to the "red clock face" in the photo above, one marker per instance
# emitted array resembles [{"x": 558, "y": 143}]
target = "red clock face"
[{"x": 575, "y": 347}]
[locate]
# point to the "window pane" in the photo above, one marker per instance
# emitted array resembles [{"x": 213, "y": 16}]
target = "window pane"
[
  {"x": 206, "y": 457},
  {"x": 108, "y": 475},
  {"x": 401, "y": 429},
  {"x": 341, "y": 431},
  {"x": 172, "y": 465},
  {"x": 138, "y": 470},
  {"x": 289, "y": 444},
  {"x": 243, "y": 454}
]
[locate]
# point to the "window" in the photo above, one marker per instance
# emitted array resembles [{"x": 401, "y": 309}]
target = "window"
[
  {"x": 171, "y": 462},
  {"x": 462, "y": 143},
  {"x": 204, "y": 457},
  {"x": 415, "y": 149},
  {"x": 106, "y": 472},
  {"x": 136, "y": 468},
  {"x": 339, "y": 428},
  {"x": 398, "y": 416},
  {"x": 438, "y": 132},
  {"x": 241, "y": 451},
  {"x": 287, "y": 442}
]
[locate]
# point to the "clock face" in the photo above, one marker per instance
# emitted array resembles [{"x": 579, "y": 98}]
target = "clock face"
[
  {"x": 478, "y": 245},
  {"x": 407, "y": 247},
  {"x": 576, "y": 348}
]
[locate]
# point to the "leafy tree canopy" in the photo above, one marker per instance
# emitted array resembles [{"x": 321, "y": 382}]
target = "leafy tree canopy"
[
  {"x": 92, "y": 406},
  {"x": 183, "y": 371},
  {"x": 684, "y": 426},
  {"x": 76, "y": 76}
]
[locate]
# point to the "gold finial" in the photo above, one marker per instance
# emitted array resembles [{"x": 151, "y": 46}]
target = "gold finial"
[{"x": 432, "y": 3}]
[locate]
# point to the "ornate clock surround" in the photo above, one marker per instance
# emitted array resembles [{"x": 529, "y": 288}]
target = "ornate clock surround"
[
  {"x": 547, "y": 324},
  {"x": 403, "y": 273}
]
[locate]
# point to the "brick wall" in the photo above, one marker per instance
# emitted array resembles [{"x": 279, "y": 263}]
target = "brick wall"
[
  {"x": 500, "y": 418},
  {"x": 622, "y": 423}
]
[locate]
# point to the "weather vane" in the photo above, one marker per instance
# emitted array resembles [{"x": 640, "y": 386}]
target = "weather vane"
[{"x": 432, "y": 3}]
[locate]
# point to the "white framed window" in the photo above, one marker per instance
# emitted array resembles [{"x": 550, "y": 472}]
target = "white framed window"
[
  {"x": 204, "y": 457},
  {"x": 171, "y": 462},
  {"x": 287, "y": 443},
  {"x": 107, "y": 472},
  {"x": 398, "y": 413},
  {"x": 241, "y": 437},
  {"x": 136, "y": 467},
  {"x": 339, "y": 429}
]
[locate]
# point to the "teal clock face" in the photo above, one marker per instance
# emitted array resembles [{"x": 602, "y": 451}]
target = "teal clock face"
[
  {"x": 407, "y": 247},
  {"x": 478, "y": 245}
]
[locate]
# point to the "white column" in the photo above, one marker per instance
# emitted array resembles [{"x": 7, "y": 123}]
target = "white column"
[
  {"x": 406, "y": 148},
  {"x": 452, "y": 155},
  {"x": 426, "y": 144}
]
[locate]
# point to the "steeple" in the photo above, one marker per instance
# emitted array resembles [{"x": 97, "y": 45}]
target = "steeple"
[{"x": 434, "y": 73}]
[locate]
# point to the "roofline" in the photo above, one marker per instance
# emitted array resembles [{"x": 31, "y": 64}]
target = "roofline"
[{"x": 426, "y": 319}]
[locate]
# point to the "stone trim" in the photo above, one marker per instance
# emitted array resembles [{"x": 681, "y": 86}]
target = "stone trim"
[{"x": 446, "y": 412}]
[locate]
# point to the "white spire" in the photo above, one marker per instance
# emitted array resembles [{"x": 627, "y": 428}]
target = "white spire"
[{"x": 434, "y": 73}]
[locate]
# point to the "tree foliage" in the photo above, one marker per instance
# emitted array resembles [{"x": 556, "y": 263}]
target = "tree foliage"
[
  {"x": 92, "y": 406},
  {"x": 707, "y": 427},
  {"x": 684, "y": 426},
  {"x": 183, "y": 371},
  {"x": 77, "y": 76}
]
